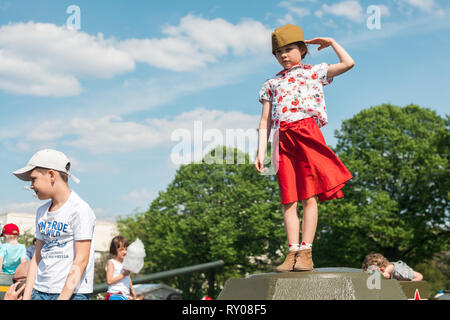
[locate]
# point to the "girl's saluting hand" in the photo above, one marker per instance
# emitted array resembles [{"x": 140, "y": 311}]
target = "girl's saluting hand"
[
  {"x": 346, "y": 61},
  {"x": 324, "y": 42}
]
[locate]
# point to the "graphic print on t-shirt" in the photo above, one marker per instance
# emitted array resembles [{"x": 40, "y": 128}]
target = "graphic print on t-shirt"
[
  {"x": 52, "y": 229},
  {"x": 56, "y": 238}
]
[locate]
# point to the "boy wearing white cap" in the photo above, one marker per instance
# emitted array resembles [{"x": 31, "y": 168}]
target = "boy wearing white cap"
[{"x": 62, "y": 266}]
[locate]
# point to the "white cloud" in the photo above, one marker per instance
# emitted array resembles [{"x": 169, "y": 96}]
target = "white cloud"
[
  {"x": 384, "y": 10},
  {"x": 428, "y": 6},
  {"x": 90, "y": 165},
  {"x": 294, "y": 12},
  {"x": 112, "y": 133},
  {"x": 423, "y": 5},
  {"x": 24, "y": 207},
  {"x": 140, "y": 198},
  {"x": 105, "y": 134},
  {"x": 197, "y": 41},
  {"x": 290, "y": 3},
  {"x": 350, "y": 9},
  {"x": 300, "y": 12},
  {"x": 416, "y": 27},
  {"x": 47, "y": 60},
  {"x": 83, "y": 125},
  {"x": 26, "y": 77},
  {"x": 287, "y": 18},
  {"x": 43, "y": 59}
]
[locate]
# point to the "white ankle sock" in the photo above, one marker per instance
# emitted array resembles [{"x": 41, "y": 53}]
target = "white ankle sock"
[
  {"x": 305, "y": 246},
  {"x": 294, "y": 246}
]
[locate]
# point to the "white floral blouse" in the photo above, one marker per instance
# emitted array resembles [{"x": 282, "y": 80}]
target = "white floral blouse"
[{"x": 297, "y": 93}]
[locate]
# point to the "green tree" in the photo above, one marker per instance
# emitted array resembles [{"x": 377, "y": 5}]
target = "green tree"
[
  {"x": 209, "y": 212},
  {"x": 397, "y": 202},
  {"x": 26, "y": 238},
  {"x": 436, "y": 272}
]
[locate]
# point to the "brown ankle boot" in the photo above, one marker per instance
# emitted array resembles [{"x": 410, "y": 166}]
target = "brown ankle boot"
[
  {"x": 303, "y": 260},
  {"x": 288, "y": 264}
]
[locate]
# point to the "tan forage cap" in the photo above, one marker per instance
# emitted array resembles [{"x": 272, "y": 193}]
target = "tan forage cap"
[{"x": 285, "y": 35}]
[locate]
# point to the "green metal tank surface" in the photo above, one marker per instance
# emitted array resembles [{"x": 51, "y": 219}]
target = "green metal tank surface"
[
  {"x": 5, "y": 283},
  {"x": 320, "y": 284}
]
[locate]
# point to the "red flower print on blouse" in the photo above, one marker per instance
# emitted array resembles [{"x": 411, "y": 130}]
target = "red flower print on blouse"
[{"x": 296, "y": 94}]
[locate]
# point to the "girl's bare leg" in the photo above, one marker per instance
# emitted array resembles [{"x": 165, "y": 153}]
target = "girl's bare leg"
[
  {"x": 291, "y": 222},
  {"x": 310, "y": 216}
]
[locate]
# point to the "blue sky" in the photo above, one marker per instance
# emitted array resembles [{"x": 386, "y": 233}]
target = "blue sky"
[{"x": 112, "y": 94}]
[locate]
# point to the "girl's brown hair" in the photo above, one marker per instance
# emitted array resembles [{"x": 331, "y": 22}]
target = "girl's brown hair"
[
  {"x": 116, "y": 243},
  {"x": 375, "y": 259},
  {"x": 302, "y": 47}
]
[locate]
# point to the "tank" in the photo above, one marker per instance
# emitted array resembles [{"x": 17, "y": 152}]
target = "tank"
[
  {"x": 321, "y": 284},
  {"x": 5, "y": 283}
]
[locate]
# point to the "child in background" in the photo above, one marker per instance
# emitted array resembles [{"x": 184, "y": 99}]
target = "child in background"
[
  {"x": 117, "y": 278},
  {"x": 12, "y": 253},
  {"x": 30, "y": 249},
  {"x": 395, "y": 270}
]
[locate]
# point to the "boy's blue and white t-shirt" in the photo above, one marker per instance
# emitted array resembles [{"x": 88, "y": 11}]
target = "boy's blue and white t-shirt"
[{"x": 59, "y": 229}]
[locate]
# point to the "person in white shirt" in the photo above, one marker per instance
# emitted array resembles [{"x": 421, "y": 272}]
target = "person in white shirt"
[
  {"x": 62, "y": 266},
  {"x": 118, "y": 279}
]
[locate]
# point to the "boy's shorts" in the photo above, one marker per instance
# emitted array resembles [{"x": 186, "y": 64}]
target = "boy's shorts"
[
  {"x": 307, "y": 167},
  {"x": 38, "y": 295}
]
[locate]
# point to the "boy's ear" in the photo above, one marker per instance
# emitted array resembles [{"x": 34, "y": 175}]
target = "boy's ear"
[{"x": 52, "y": 174}]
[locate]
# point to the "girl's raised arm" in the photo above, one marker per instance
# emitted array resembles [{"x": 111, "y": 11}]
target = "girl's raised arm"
[{"x": 346, "y": 61}]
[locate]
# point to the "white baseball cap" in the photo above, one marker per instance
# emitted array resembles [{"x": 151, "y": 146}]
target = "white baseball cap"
[{"x": 48, "y": 159}]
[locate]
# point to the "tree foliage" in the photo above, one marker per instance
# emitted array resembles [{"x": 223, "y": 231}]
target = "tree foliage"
[
  {"x": 397, "y": 202},
  {"x": 212, "y": 212}
]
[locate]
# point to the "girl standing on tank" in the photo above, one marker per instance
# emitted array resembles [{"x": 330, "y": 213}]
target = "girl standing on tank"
[{"x": 294, "y": 107}]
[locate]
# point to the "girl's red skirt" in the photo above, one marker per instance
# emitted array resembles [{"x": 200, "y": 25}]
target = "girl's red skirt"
[{"x": 307, "y": 167}]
